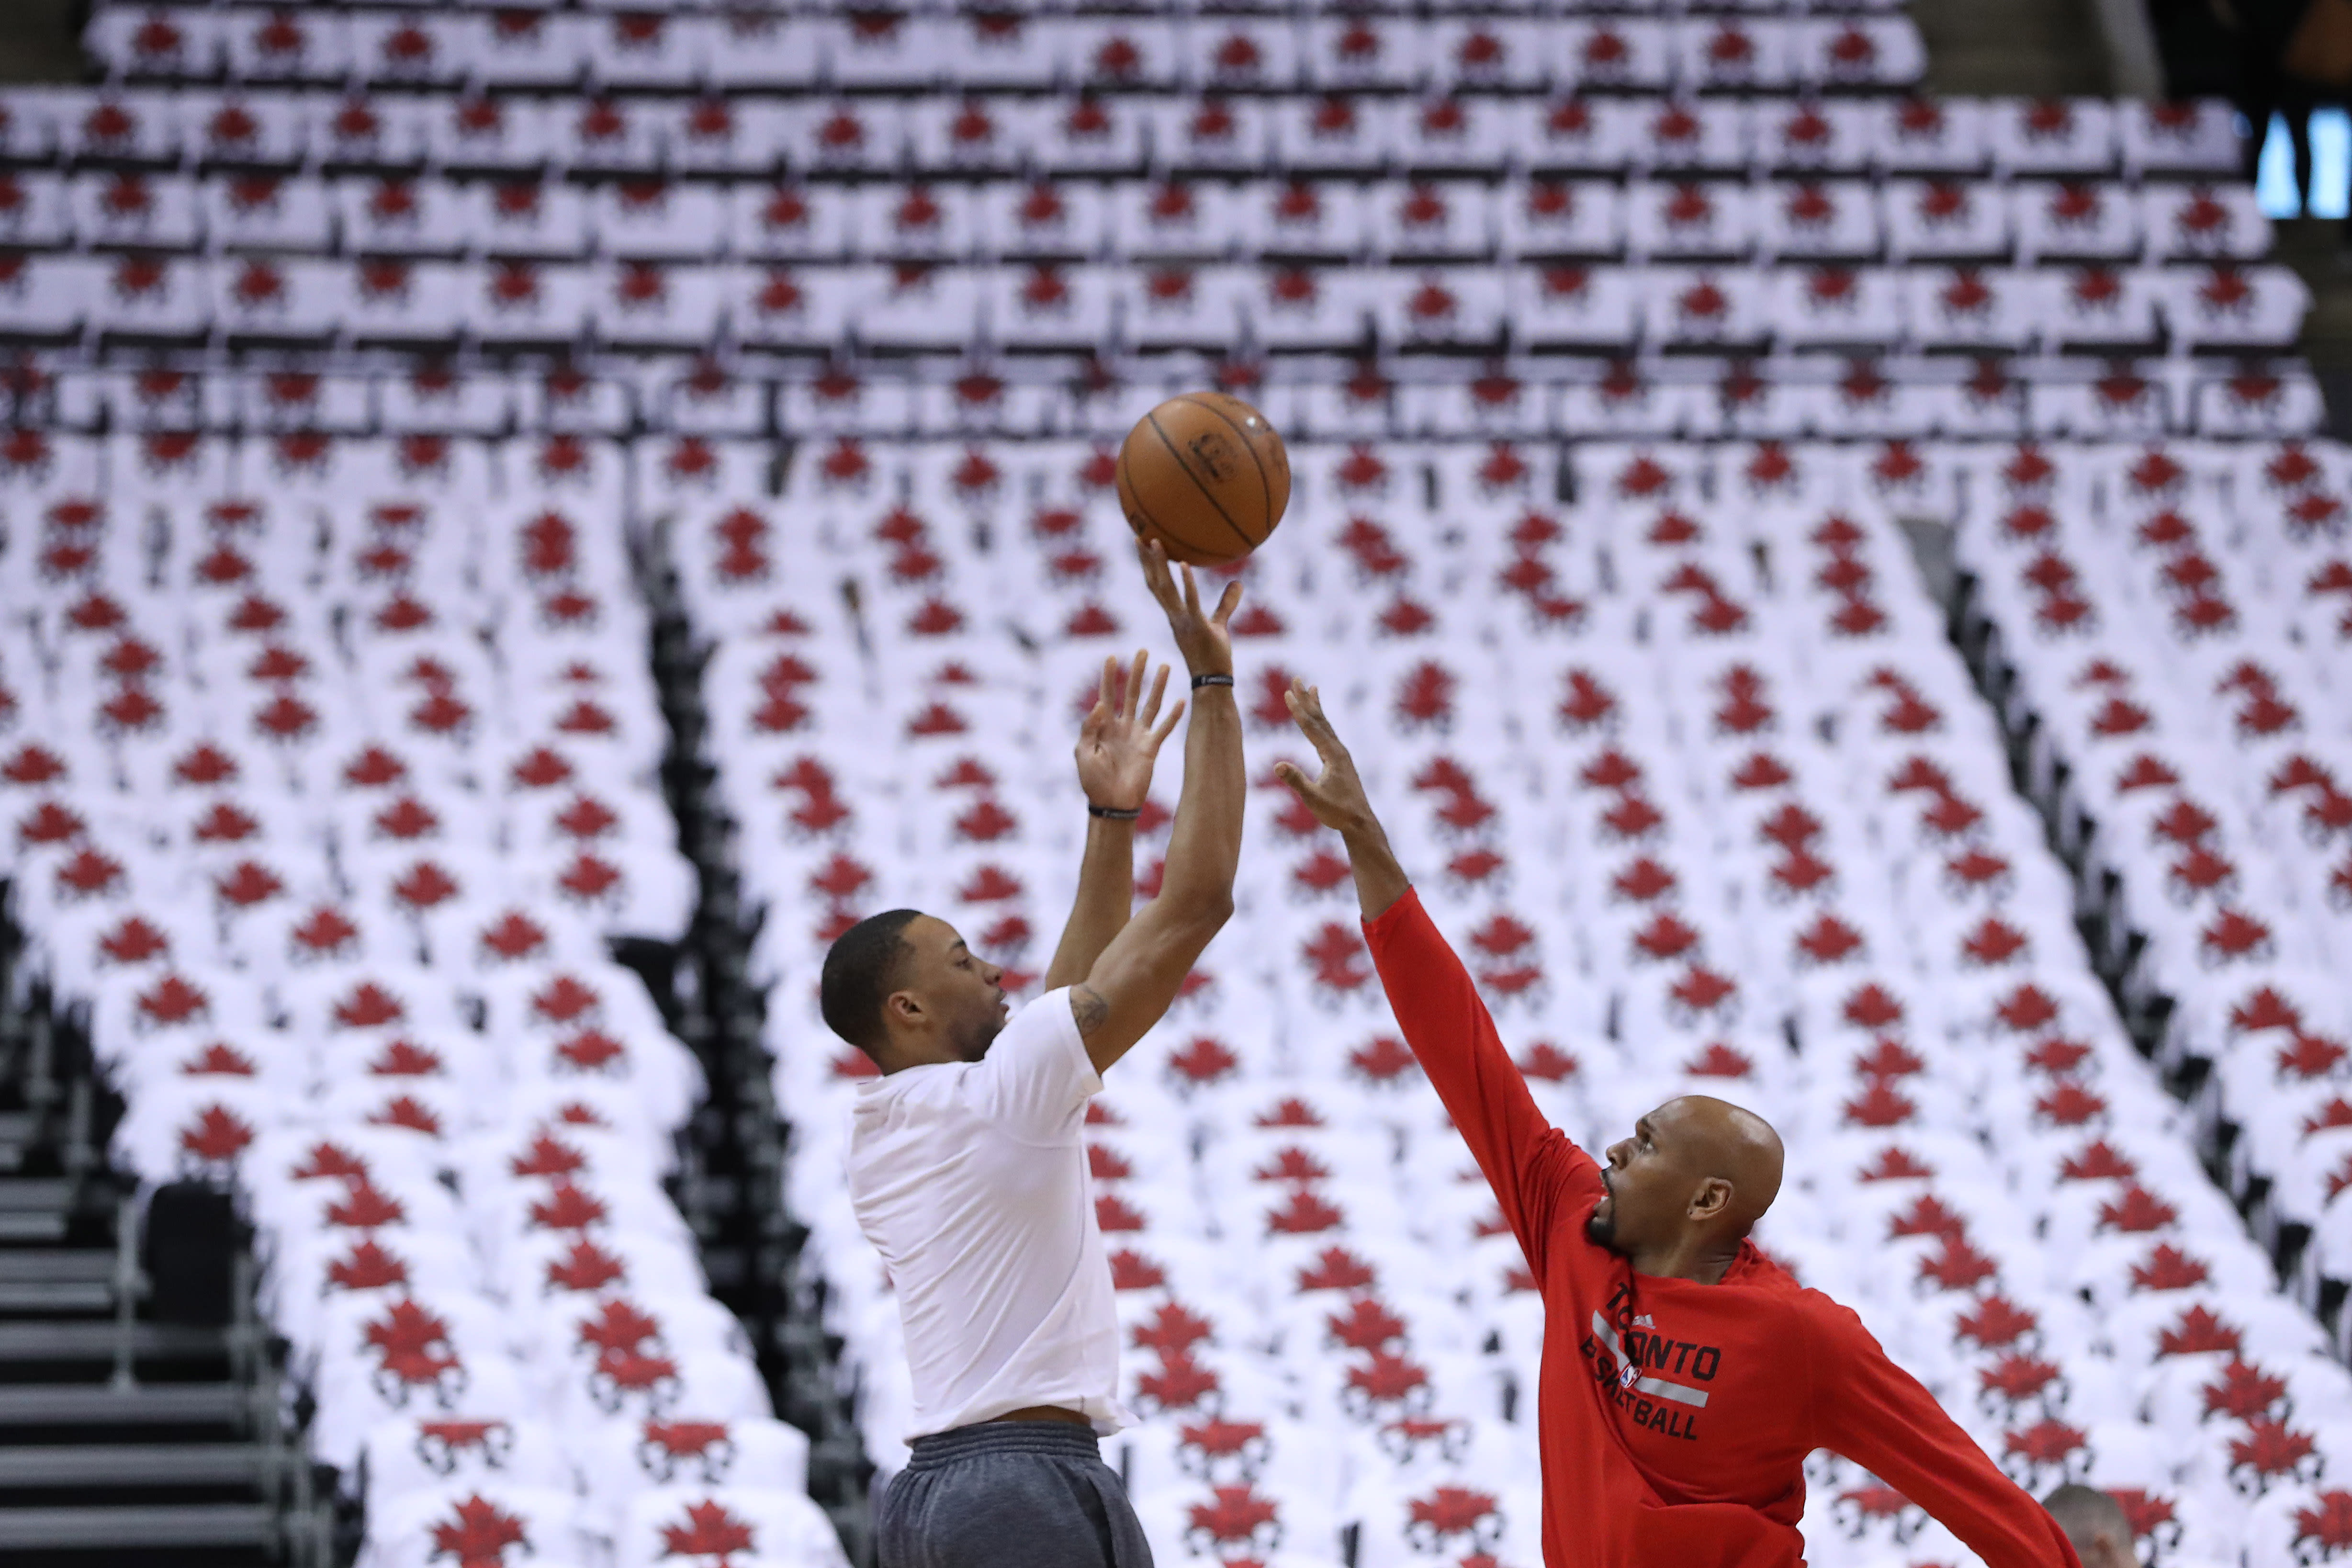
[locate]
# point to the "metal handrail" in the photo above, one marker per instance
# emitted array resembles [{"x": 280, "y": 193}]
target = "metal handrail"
[{"x": 129, "y": 1284}]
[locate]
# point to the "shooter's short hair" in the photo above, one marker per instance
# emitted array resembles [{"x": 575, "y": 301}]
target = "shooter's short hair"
[{"x": 861, "y": 970}]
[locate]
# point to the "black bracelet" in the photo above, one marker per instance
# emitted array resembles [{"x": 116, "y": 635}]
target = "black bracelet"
[
  {"x": 1112, "y": 813},
  {"x": 1201, "y": 680}
]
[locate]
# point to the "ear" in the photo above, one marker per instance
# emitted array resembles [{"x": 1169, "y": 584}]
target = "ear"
[
  {"x": 903, "y": 1008},
  {"x": 1714, "y": 1196}
]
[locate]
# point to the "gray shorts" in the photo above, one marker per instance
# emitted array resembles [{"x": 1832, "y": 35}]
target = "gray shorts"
[{"x": 1009, "y": 1494}]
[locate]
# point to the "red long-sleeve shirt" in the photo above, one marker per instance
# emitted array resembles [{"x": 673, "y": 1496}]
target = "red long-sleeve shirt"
[{"x": 1674, "y": 1417}]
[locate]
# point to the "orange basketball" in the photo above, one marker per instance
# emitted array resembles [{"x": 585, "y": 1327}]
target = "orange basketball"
[{"x": 1206, "y": 476}]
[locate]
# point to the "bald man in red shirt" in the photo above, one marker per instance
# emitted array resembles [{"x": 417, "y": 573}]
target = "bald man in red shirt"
[{"x": 1686, "y": 1376}]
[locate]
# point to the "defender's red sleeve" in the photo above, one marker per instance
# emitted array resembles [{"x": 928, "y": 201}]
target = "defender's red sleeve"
[
  {"x": 1537, "y": 1173},
  {"x": 1878, "y": 1414}
]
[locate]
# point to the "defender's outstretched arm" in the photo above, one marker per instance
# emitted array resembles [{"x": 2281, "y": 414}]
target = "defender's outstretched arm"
[
  {"x": 1337, "y": 798},
  {"x": 1531, "y": 1165}
]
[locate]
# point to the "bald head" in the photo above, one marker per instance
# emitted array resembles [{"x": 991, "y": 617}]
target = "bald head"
[
  {"x": 1736, "y": 1145},
  {"x": 1684, "y": 1189},
  {"x": 2096, "y": 1525}
]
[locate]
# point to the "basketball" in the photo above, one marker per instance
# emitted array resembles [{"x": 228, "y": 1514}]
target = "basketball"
[{"x": 1205, "y": 475}]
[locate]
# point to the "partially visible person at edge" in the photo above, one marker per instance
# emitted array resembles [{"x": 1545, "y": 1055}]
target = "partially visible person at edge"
[
  {"x": 1686, "y": 1376},
  {"x": 2285, "y": 50},
  {"x": 967, "y": 1165},
  {"x": 2095, "y": 1522}
]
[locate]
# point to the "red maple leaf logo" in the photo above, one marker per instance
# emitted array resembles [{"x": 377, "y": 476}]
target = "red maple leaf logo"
[
  {"x": 1367, "y": 1325},
  {"x": 1385, "y": 1058},
  {"x": 1452, "y": 1510},
  {"x": 1875, "y": 1501},
  {"x": 2017, "y": 1377},
  {"x": 686, "y": 1439},
  {"x": 2198, "y": 1330},
  {"x": 1203, "y": 1061},
  {"x": 2329, "y": 1525},
  {"x": 219, "y": 1058},
  {"x": 548, "y": 1156},
  {"x": 2271, "y": 1450},
  {"x": 1181, "y": 1383},
  {"x": 1238, "y": 1515},
  {"x": 1958, "y": 1266},
  {"x": 1131, "y": 1270},
  {"x": 369, "y": 1006},
  {"x": 709, "y": 1532},
  {"x": 1548, "y": 1063},
  {"x": 2243, "y": 1392},
  {"x": 454, "y": 1436},
  {"x": 567, "y": 1208},
  {"x": 1926, "y": 1216},
  {"x": 367, "y": 1266},
  {"x": 1113, "y": 1213},
  {"x": 1173, "y": 1330},
  {"x": 1896, "y": 1164},
  {"x": 2045, "y": 1442},
  {"x": 2168, "y": 1268},
  {"x": 1217, "y": 1438},
  {"x": 1305, "y": 1214},
  {"x": 587, "y": 1267},
  {"x": 621, "y": 1326},
  {"x": 412, "y": 1346},
  {"x": 2136, "y": 1212},
  {"x": 591, "y": 1051},
  {"x": 477, "y": 1533},
  {"x": 2144, "y": 1511},
  {"x": 1336, "y": 1268},
  {"x": 364, "y": 1206},
  {"x": 218, "y": 1134},
  {"x": 1386, "y": 1379}
]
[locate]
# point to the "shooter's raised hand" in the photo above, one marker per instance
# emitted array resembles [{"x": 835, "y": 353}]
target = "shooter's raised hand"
[
  {"x": 1121, "y": 736},
  {"x": 1204, "y": 640}
]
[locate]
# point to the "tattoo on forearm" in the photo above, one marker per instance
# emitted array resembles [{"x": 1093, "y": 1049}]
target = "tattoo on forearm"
[{"x": 1088, "y": 1008}]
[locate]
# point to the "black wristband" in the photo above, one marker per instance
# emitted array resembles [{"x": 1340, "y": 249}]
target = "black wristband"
[
  {"x": 1201, "y": 680},
  {"x": 1112, "y": 813}
]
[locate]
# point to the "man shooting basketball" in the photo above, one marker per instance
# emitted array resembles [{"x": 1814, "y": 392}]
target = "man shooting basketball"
[
  {"x": 967, "y": 1163},
  {"x": 1686, "y": 1376}
]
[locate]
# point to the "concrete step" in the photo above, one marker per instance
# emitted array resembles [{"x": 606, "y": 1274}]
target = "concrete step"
[
  {"x": 28, "y": 1412},
  {"x": 18, "y": 1130},
  {"x": 35, "y": 1209},
  {"x": 25, "y": 1193},
  {"x": 146, "y": 1527},
  {"x": 81, "y": 1340},
  {"x": 93, "y": 1466},
  {"x": 22, "y": 1225},
  {"x": 57, "y": 1264},
  {"x": 21, "y": 1298},
  {"x": 57, "y": 1279}
]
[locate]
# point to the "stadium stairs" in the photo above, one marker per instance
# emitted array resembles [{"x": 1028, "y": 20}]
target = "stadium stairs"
[
  {"x": 2116, "y": 946},
  {"x": 732, "y": 1191},
  {"x": 140, "y": 1420}
]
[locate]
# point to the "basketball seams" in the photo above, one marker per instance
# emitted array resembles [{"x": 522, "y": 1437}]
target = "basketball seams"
[
  {"x": 1264, "y": 485},
  {"x": 1184, "y": 467},
  {"x": 1177, "y": 456},
  {"x": 1131, "y": 503}
]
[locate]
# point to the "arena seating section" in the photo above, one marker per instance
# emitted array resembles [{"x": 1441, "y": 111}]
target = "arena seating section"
[{"x": 373, "y": 363}]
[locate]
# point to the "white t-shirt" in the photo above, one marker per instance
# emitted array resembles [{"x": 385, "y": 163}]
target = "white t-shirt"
[{"x": 970, "y": 1180}]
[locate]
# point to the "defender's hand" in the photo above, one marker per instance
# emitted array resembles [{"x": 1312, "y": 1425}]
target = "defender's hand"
[
  {"x": 1203, "y": 640},
  {"x": 1337, "y": 796},
  {"x": 1118, "y": 743}
]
